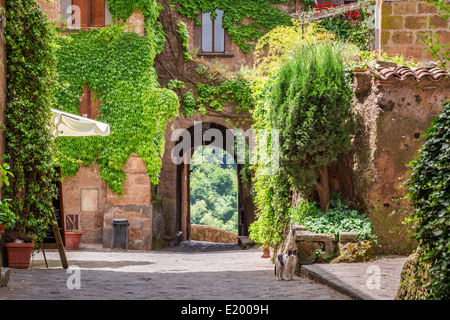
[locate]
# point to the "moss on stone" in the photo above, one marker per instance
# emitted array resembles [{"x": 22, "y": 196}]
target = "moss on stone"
[{"x": 361, "y": 251}]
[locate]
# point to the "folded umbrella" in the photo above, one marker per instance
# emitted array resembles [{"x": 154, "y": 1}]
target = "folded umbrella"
[{"x": 65, "y": 124}]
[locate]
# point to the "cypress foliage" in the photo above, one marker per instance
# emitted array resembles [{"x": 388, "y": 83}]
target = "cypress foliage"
[{"x": 311, "y": 108}]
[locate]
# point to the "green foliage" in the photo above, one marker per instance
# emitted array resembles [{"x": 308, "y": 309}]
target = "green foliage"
[
  {"x": 263, "y": 14},
  {"x": 189, "y": 104},
  {"x": 7, "y": 217},
  {"x": 4, "y": 173},
  {"x": 337, "y": 219},
  {"x": 279, "y": 43},
  {"x": 183, "y": 33},
  {"x": 174, "y": 84},
  {"x": 231, "y": 91},
  {"x": 118, "y": 66},
  {"x": 358, "y": 31},
  {"x": 429, "y": 193},
  {"x": 30, "y": 63},
  {"x": 214, "y": 190},
  {"x": 271, "y": 192},
  {"x": 311, "y": 108}
]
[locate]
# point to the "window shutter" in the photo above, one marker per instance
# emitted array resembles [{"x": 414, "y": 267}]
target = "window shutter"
[
  {"x": 97, "y": 13},
  {"x": 84, "y": 6},
  {"x": 88, "y": 104},
  {"x": 198, "y": 32},
  {"x": 85, "y": 103}
]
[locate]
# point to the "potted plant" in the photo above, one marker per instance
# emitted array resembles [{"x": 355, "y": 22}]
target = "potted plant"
[{"x": 73, "y": 238}]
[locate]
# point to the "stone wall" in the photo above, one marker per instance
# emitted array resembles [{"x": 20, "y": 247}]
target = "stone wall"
[
  {"x": 393, "y": 114},
  {"x": 94, "y": 205},
  {"x": 211, "y": 234},
  {"x": 401, "y": 20}
]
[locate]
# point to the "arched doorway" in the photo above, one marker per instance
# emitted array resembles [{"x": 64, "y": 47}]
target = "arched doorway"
[
  {"x": 213, "y": 193},
  {"x": 207, "y": 134}
]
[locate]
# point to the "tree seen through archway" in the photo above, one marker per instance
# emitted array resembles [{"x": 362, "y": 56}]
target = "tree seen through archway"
[{"x": 214, "y": 189}]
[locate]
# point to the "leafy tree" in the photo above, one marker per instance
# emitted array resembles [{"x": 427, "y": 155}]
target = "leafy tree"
[
  {"x": 214, "y": 189},
  {"x": 311, "y": 108}
]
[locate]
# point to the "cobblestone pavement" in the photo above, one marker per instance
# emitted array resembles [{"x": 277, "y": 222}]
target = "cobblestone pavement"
[{"x": 190, "y": 271}]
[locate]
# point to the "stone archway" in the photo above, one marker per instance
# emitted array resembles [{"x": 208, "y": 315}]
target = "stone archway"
[
  {"x": 245, "y": 212},
  {"x": 171, "y": 214}
]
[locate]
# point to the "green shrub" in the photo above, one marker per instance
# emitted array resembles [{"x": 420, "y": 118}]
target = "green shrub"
[
  {"x": 337, "y": 219},
  {"x": 311, "y": 108},
  {"x": 429, "y": 193}
]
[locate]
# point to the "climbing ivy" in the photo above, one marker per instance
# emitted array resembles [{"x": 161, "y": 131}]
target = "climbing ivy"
[
  {"x": 429, "y": 195},
  {"x": 263, "y": 15},
  {"x": 230, "y": 91},
  {"x": 118, "y": 67},
  {"x": 183, "y": 33}
]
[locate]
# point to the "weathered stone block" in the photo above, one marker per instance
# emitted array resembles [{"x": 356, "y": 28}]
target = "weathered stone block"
[
  {"x": 415, "y": 23},
  {"x": 295, "y": 227},
  {"x": 354, "y": 252},
  {"x": 404, "y": 8},
  {"x": 386, "y": 8},
  {"x": 402, "y": 37},
  {"x": 391, "y": 22},
  {"x": 310, "y": 236},
  {"x": 244, "y": 242},
  {"x": 361, "y": 82},
  {"x": 438, "y": 22},
  {"x": 424, "y": 7},
  {"x": 385, "y": 36},
  {"x": 306, "y": 251},
  {"x": 348, "y": 237}
]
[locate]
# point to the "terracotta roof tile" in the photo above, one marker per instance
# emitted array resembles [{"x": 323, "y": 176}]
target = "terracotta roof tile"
[{"x": 403, "y": 72}]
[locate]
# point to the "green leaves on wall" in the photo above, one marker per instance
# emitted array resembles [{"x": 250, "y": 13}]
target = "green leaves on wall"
[{"x": 118, "y": 67}]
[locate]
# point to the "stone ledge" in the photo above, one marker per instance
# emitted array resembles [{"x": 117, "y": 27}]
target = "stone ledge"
[
  {"x": 348, "y": 236},
  {"x": 245, "y": 242},
  {"x": 310, "y": 236}
]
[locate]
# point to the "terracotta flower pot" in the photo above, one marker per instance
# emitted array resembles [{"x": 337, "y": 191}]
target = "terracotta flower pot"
[
  {"x": 266, "y": 253},
  {"x": 73, "y": 240},
  {"x": 19, "y": 254},
  {"x": 2, "y": 227}
]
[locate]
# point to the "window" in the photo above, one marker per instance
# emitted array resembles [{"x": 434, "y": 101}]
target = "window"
[
  {"x": 213, "y": 34},
  {"x": 87, "y": 13}
]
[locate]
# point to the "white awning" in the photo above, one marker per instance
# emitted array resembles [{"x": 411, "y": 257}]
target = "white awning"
[{"x": 65, "y": 124}]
